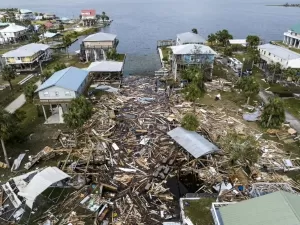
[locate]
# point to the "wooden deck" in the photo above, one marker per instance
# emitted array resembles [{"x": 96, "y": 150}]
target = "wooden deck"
[{"x": 165, "y": 43}]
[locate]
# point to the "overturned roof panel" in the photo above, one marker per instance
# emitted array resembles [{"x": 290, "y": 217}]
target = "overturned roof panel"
[
  {"x": 40, "y": 182},
  {"x": 106, "y": 66},
  {"x": 194, "y": 143}
]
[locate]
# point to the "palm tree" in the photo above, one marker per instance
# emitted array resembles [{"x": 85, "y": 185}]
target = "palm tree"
[
  {"x": 8, "y": 74},
  {"x": 29, "y": 92},
  {"x": 80, "y": 110},
  {"x": 249, "y": 86},
  {"x": 103, "y": 16},
  {"x": 43, "y": 30},
  {"x": 273, "y": 114},
  {"x": 211, "y": 38},
  {"x": 67, "y": 43},
  {"x": 195, "y": 31},
  {"x": 8, "y": 127}
]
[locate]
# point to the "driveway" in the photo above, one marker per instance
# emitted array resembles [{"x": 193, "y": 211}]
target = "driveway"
[{"x": 18, "y": 102}]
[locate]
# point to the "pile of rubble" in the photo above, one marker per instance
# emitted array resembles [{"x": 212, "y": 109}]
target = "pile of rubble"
[{"x": 122, "y": 159}]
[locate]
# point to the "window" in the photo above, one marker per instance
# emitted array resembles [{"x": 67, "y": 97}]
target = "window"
[
  {"x": 56, "y": 93},
  {"x": 67, "y": 93},
  {"x": 46, "y": 93}
]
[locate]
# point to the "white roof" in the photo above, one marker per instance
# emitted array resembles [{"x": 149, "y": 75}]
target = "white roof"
[
  {"x": 294, "y": 63},
  {"x": 191, "y": 49},
  {"x": 101, "y": 37},
  {"x": 49, "y": 34},
  {"x": 105, "y": 66},
  {"x": 279, "y": 51},
  {"x": 190, "y": 37},
  {"x": 194, "y": 143},
  {"x": 23, "y": 11},
  {"x": 238, "y": 41},
  {"x": 40, "y": 182},
  {"x": 26, "y": 50},
  {"x": 13, "y": 28}
]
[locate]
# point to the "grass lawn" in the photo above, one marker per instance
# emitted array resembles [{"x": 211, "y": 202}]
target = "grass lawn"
[
  {"x": 293, "y": 106},
  {"x": 198, "y": 211}
]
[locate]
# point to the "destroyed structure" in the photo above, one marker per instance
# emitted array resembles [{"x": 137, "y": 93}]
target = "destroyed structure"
[{"x": 132, "y": 162}]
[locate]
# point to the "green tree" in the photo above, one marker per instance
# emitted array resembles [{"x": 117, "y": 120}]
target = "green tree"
[
  {"x": 190, "y": 122},
  {"x": 249, "y": 86},
  {"x": 8, "y": 127},
  {"x": 35, "y": 38},
  {"x": 61, "y": 27},
  {"x": 211, "y": 38},
  {"x": 195, "y": 31},
  {"x": 242, "y": 150},
  {"x": 8, "y": 74},
  {"x": 228, "y": 51},
  {"x": 253, "y": 40},
  {"x": 42, "y": 30},
  {"x": 46, "y": 74},
  {"x": 112, "y": 54},
  {"x": 273, "y": 114},
  {"x": 223, "y": 37},
  {"x": 59, "y": 66},
  {"x": 192, "y": 93},
  {"x": 103, "y": 16},
  {"x": 29, "y": 92},
  {"x": 290, "y": 73},
  {"x": 67, "y": 43},
  {"x": 80, "y": 110}
]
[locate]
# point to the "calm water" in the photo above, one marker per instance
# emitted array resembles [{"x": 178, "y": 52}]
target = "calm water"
[{"x": 140, "y": 23}]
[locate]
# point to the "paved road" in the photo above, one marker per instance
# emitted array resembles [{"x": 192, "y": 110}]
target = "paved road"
[
  {"x": 18, "y": 102},
  {"x": 294, "y": 122}
]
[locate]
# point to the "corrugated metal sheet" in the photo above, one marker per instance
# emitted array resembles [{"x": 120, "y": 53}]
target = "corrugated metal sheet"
[
  {"x": 106, "y": 66},
  {"x": 171, "y": 223},
  {"x": 70, "y": 78},
  {"x": 26, "y": 50},
  {"x": 279, "y": 51},
  {"x": 101, "y": 37},
  {"x": 279, "y": 208},
  {"x": 194, "y": 143},
  {"x": 189, "y": 37},
  {"x": 191, "y": 49}
]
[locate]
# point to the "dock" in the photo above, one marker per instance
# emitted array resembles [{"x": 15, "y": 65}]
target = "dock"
[{"x": 165, "y": 43}]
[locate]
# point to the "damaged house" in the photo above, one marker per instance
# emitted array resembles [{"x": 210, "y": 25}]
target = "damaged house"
[{"x": 19, "y": 194}]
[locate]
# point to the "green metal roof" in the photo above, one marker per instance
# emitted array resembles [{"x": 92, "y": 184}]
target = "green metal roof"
[
  {"x": 278, "y": 208},
  {"x": 296, "y": 28}
]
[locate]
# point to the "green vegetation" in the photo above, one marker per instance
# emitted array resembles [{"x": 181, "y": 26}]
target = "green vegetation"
[
  {"x": 165, "y": 52},
  {"x": 8, "y": 127},
  {"x": 29, "y": 92},
  {"x": 67, "y": 43},
  {"x": 252, "y": 40},
  {"x": 228, "y": 51},
  {"x": 113, "y": 55},
  {"x": 195, "y": 31},
  {"x": 80, "y": 110},
  {"x": 8, "y": 74},
  {"x": 242, "y": 150},
  {"x": 249, "y": 86},
  {"x": 293, "y": 106},
  {"x": 190, "y": 122},
  {"x": 222, "y": 36},
  {"x": 273, "y": 114},
  {"x": 198, "y": 211}
]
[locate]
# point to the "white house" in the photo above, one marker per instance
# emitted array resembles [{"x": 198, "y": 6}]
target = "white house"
[
  {"x": 191, "y": 54},
  {"x": 277, "y": 54},
  {"x": 26, "y": 14},
  {"x": 12, "y": 33},
  {"x": 292, "y": 36},
  {"x": 27, "y": 57},
  {"x": 95, "y": 46},
  {"x": 189, "y": 38},
  {"x": 60, "y": 89}
]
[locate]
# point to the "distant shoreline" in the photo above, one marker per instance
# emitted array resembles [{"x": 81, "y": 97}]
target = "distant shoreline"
[{"x": 287, "y": 5}]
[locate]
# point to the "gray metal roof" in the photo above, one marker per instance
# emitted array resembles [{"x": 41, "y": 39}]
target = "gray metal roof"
[
  {"x": 194, "y": 143},
  {"x": 106, "y": 66},
  {"x": 13, "y": 28},
  {"x": 188, "y": 49},
  {"x": 70, "y": 78},
  {"x": 278, "y": 208},
  {"x": 100, "y": 37},
  {"x": 26, "y": 50},
  {"x": 279, "y": 51},
  {"x": 189, "y": 37}
]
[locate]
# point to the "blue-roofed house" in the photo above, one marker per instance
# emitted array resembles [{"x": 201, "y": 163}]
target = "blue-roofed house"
[{"x": 61, "y": 88}]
